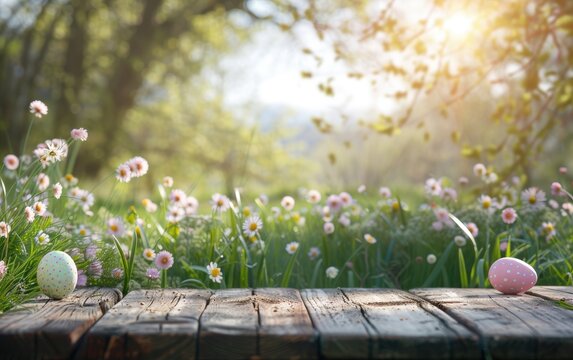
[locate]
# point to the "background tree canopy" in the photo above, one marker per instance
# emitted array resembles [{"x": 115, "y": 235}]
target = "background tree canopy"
[
  {"x": 486, "y": 80},
  {"x": 498, "y": 72}
]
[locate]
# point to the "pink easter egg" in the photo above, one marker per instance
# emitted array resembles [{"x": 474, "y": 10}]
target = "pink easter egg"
[{"x": 511, "y": 276}]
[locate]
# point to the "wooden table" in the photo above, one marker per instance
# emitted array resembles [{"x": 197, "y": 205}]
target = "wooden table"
[{"x": 291, "y": 324}]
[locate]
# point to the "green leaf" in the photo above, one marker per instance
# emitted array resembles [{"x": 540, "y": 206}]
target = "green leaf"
[
  {"x": 198, "y": 283},
  {"x": 564, "y": 304},
  {"x": 480, "y": 272},
  {"x": 317, "y": 268},
  {"x": 132, "y": 252},
  {"x": 288, "y": 271},
  {"x": 5, "y": 197},
  {"x": 126, "y": 275},
  {"x": 244, "y": 271},
  {"x": 565, "y": 22},
  {"x": 462, "y": 268},
  {"x": 439, "y": 265}
]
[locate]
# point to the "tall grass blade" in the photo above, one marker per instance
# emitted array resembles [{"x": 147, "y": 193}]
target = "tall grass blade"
[
  {"x": 439, "y": 265},
  {"x": 462, "y": 268},
  {"x": 466, "y": 231},
  {"x": 288, "y": 271},
  {"x": 315, "y": 273},
  {"x": 480, "y": 273},
  {"x": 126, "y": 275}
]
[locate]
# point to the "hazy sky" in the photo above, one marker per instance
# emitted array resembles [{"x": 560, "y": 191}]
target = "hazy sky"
[{"x": 267, "y": 72}]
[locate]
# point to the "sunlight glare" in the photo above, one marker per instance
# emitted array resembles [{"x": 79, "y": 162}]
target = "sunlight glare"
[{"x": 459, "y": 25}]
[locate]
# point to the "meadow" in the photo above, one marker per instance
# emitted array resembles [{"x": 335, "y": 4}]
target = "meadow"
[{"x": 364, "y": 237}]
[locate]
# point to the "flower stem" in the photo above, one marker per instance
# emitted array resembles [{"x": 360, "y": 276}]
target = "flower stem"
[{"x": 163, "y": 279}]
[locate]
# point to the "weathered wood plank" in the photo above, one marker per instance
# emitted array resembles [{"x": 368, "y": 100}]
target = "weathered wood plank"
[
  {"x": 228, "y": 326},
  {"x": 46, "y": 328},
  {"x": 285, "y": 329},
  {"x": 152, "y": 324},
  {"x": 554, "y": 293},
  {"x": 407, "y": 327},
  {"x": 343, "y": 332},
  {"x": 511, "y": 327},
  {"x": 384, "y": 324}
]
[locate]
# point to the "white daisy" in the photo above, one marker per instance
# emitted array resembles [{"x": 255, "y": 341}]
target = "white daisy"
[
  {"x": 215, "y": 273},
  {"x": 328, "y": 228},
  {"x": 385, "y": 192},
  {"x": 433, "y": 187},
  {"x": 334, "y": 202},
  {"x": 4, "y": 229},
  {"x": 313, "y": 196},
  {"x": 486, "y": 202},
  {"x": 533, "y": 197},
  {"x": 57, "y": 190},
  {"x": 479, "y": 170},
  {"x": 123, "y": 173},
  {"x": 346, "y": 198},
  {"x": 431, "y": 259},
  {"x": 220, "y": 202},
  {"x": 177, "y": 197},
  {"x": 42, "y": 181},
  {"x": 30, "y": 214},
  {"x": 175, "y": 214},
  {"x": 191, "y": 205},
  {"x": 292, "y": 247},
  {"x": 370, "y": 239},
  {"x": 69, "y": 180},
  {"x": 38, "y": 108},
  {"x": 252, "y": 225},
  {"x": 39, "y": 208},
  {"x": 313, "y": 253},
  {"x": 42, "y": 238},
  {"x": 115, "y": 227},
  {"x": 138, "y": 166},
  {"x": 288, "y": 203},
  {"x": 331, "y": 272},
  {"x": 460, "y": 241},
  {"x": 167, "y": 181}
]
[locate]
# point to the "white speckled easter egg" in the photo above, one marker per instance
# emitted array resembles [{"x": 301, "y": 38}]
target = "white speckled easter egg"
[
  {"x": 512, "y": 276},
  {"x": 57, "y": 274}
]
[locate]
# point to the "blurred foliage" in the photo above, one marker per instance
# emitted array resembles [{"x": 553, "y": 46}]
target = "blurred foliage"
[
  {"x": 500, "y": 65},
  {"x": 488, "y": 80},
  {"x": 128, "y": 71}
]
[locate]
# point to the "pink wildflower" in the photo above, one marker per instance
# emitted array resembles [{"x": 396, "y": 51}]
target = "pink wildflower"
[
  {"x": 152, "y": 274},
  {"x": 11, "y": 162},
  {"x": 556, "y": 189},
  {"x": 3, "y": 269},
  {"x": 509, "y": 216},
  {"x": 38, "y": 108},
  {"x": 79, "y": 134},
  {"x": 82, "y": 279},
  {"x": 164, "y": 260}
]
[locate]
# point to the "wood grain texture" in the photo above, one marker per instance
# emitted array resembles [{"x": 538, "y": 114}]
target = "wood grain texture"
[
  {"x": 385, "y": 324},
  {"x": 229, "y": 325},
  {"x": 553, "y": 293},
  {"x": 50, "y": 329},
  {"x": 152, "y": 324},
  {"x": 407, "y": 327},
  {"x": 285, "y": 329},
  {"x": 343, "y": 332},
  {"x": 510, "y": 326}
]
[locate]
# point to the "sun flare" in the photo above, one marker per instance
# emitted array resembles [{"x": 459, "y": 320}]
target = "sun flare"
[{"x": 459, "y": 25}]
